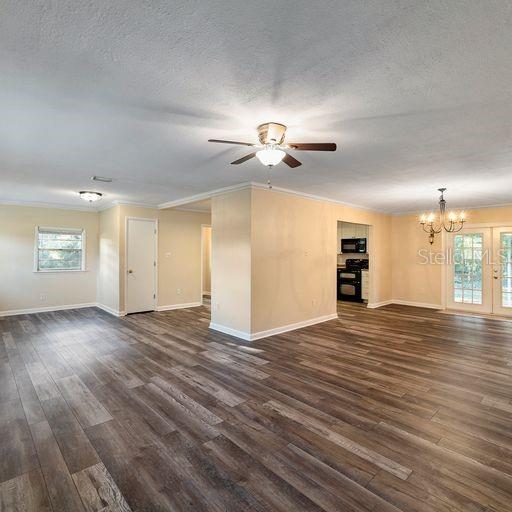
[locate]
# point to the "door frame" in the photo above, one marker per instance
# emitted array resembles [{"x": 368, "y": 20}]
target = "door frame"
[
  {"x": 125, "y": 270},
  {"x": 444, "y": 270},
  {"x": 202, "y": 270}
]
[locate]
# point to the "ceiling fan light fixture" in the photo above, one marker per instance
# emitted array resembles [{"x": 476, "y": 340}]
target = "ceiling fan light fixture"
[
  {"x": 90, "y": 196},
  {"x": 270, "y": 156}
]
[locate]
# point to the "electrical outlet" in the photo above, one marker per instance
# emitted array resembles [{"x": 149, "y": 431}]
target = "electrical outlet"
[
  {"x": 43, "y": 297},
  {"x": 167, "y": 254},
  {"x": 178, "y": 291}
]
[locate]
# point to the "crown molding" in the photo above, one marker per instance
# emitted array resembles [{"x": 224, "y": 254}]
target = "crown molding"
[
  {"x": 436, "y": 208},
  {"x": 204, "y": 195},
  {"x": 193, "y": 210},
  {"x": 251, "y": 184},
  {"x": 317, "y": 198},
  {"x": 59, "y": 206}
]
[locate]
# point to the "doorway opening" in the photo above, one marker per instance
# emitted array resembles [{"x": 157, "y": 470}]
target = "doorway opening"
[
  {"x": 479, "y": 270},
  {"x": 206, "y": 263},
  {"x": 353, "y": 262}
]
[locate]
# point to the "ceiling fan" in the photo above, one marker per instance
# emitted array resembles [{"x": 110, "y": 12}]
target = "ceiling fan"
[{"x": 271, "y": 137}]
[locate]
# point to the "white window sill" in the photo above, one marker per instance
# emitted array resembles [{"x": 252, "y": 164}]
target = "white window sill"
[{"x": 57, "y": 271}]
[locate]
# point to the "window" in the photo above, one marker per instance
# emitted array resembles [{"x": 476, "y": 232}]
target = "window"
[{"x": 59, "y": 249}]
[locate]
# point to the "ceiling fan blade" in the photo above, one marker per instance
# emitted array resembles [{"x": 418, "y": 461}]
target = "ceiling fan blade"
[
  {"x": 231, "y": 142},
  {"x": 290, "y": 161},
  {"x": 313, "y": 146},
  {"x": 243, "y": 159}
]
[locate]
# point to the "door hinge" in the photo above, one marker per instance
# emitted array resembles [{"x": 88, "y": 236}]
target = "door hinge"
[
  {"x": 154, "y": 295},
  {"x": 154, "y": 263}
]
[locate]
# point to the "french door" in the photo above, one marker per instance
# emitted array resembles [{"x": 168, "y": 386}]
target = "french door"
[
  {"x": 480, "y": 270},
  {"x": 502, "y": 271}
]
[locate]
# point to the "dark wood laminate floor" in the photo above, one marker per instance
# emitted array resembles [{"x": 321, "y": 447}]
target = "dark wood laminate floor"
[{"x": 384, "y": 410}]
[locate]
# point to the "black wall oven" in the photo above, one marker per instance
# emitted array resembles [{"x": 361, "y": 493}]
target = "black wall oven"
[
  {"x": 349, "y": 280},
  {"x": 353, "y": 245},
  {"x": 349, "y": 285}
]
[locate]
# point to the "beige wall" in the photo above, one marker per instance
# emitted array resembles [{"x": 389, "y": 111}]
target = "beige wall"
[
  {"x": 179, "y": 253},
  {"x": 418, "y": 283},
  {"x": 20, "y": 286},
  {"x": 274, "y": 258},
  {"x": 179, "y": 256},
  {"x": 108, "y": 275},
  {"x": 231, "y": 260},
  {"x": 207, "y": 254},
  {"x": 293, "y": 260}
]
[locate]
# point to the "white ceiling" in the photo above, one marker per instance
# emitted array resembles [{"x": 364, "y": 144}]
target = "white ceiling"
[{"x": 416, "y": 94}]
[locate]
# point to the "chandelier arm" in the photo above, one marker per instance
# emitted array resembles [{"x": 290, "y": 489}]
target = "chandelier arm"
[
  {"x": 436, "y": 230},
  {"x": 450, "y": 228}
]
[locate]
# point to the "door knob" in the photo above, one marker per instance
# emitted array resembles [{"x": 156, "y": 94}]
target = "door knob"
[{"x": 130, "y": 271}]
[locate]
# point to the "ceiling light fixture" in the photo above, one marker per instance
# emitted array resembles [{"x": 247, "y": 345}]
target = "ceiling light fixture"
[
  {"x": 432, "y": 226},
  {"x": 270, "y": 155},
  {"x": 87, "y": 195}
]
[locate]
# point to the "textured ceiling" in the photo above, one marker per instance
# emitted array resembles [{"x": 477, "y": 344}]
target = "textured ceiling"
[{"x": 416, "y": 94}]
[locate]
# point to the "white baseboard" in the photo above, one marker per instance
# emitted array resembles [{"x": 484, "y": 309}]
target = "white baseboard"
[
  {"x": 417, "y": 304},
  {"x": 232, "y": 332},
  {"x": 272, "y": 332},
  {"x": 47, "y": 309},
  {"x": 179, "y": 306},
  {"x": 374, "y": 305},
  {"x": 110, "y": 310}
]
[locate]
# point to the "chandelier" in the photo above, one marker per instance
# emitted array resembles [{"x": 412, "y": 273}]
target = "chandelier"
[{"x": 451, "y": 224}]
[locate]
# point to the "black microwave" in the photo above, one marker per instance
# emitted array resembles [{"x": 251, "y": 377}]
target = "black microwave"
[{"x": 353, "y": 245}]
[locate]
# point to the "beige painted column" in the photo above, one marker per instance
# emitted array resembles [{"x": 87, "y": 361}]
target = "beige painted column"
[
  {"x": 231, "y": 263},
  {"x": 273, "y": 262}
]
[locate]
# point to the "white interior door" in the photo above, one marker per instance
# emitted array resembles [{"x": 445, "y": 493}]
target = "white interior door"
[
  {"x": 470, "y": 286},
  {"x": 141, "y": 236},
  {"x": 502, "y": 271}
]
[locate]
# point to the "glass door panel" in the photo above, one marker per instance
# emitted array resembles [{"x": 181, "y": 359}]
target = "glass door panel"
[
  {"x": 502, "y": 272},
  {"x": 467, "y": 284},
  {"x": 469, "y": 280}
]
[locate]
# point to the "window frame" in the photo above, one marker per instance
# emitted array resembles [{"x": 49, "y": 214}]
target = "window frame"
[{"x": 37, "y": 270}]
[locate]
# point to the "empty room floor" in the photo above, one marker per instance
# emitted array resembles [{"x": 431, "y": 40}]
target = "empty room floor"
[{"x": 382, "y": 410}]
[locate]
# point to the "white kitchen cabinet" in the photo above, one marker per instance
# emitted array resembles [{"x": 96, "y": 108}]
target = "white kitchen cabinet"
[{"x": 365, "y": 284}]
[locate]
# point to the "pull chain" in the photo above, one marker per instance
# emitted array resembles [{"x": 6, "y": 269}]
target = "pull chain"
[{"x": 269, "y": 182}]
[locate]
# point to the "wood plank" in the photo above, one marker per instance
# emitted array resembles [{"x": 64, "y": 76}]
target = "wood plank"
[
  {"x": 87, "y": 408},
  {"x": 17, "y": 451},
  {"x": 361, "y": 451},
  {"x": 43, "y": 384},
  {"x": 73, "y": 443},
  {"x": 62, "y": 490},
  {"x": 98, "y": 490},
  {"x": 25, "y": 493}
]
